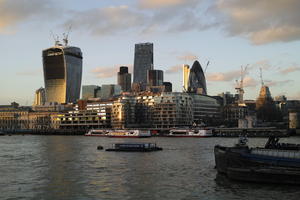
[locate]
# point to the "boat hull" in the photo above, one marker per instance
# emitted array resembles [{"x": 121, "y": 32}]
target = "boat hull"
[
  {"x": 193, "y": 136},
  {"x": 240, "y": 164}
]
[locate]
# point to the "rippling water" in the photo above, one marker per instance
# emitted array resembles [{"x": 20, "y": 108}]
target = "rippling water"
[{"x": 71, "y": 167}]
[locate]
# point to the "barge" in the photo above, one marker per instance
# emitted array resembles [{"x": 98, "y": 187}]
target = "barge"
[
  {"x": 134, "y": 147},
  {"x": 275, "y": 163}
]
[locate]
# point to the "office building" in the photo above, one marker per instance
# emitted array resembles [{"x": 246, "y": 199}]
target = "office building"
[
  {"x": 167, "y": 86},
  {"x": 185, "y": 78},
  {"x": 109, "y": 91},
  {"x": 143, "y": 61},
  {"x": 90, "y": 91},
  {"x": 124, "y": 79},
  {"x": 39, "y": 97},
  {"x": 155, "y": 77},
  {"x": 62, "y": 66},
  {"x": 197, "y": 82}
]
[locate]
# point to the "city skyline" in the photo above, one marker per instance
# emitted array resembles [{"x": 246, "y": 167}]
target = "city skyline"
[{"x": 226, "y": 33}]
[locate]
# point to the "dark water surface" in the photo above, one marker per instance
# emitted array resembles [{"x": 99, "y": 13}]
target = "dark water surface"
[{"x": 71, "y": 167}]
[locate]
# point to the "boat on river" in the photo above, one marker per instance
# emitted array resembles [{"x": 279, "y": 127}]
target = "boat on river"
[
  {"x": 200, "y": 132},
  {"x": 129, "y": 133},
  {"x": 274, "y": 163},
  {"x": 97, "y": 132},
  {"x": 119, "y": 133},
  {"x": 134, "y": 147}
]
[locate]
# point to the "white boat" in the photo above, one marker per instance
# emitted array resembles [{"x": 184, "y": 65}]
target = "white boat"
[
  {"x": 129, "y": 133},
  {"x": 196, "y": 132},
  {"x": 97, "y": 132}
]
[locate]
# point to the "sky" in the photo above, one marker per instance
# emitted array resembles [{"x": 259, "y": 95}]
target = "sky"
[{"x": 228, "y": 33}]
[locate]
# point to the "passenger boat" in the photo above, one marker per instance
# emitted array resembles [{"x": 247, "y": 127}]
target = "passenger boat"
[
  {"x": 190, "y": 133},
  {"x": 275, "y": 163},
  {"x": 129, "y": 133},
  {"x": 134, "y": 147},
  {"x": 97, "y": 132}
]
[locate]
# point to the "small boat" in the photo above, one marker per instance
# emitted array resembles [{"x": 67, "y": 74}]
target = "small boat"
[
  {"x": 190, "y": 133},
  {"x": 134, "y": 147},
  {"x": 269, "y": 164},
  {"x": 2, "y": 133},
  {"x": 129, "y": 133},
  {"x": 97, "y": 132}
]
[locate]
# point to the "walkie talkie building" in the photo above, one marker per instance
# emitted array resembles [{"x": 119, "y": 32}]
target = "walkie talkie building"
[{"x": 62, "y": 67}]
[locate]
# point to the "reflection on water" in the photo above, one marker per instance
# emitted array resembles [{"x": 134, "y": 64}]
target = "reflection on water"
[{"x": 71, "y": 167}]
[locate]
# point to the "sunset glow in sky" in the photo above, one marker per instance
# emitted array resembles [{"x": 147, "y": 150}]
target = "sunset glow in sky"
[{"x": 228, "y": 33}]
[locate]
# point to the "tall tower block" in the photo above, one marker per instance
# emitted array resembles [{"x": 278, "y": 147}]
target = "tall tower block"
[
  {"x": 62, "y": 66},
  {"x": 185, "y": 78},
  {"x": 143, "y": 61}
]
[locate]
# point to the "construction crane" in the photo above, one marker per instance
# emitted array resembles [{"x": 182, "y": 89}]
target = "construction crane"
[
  {"x": 240, "y": 86},
  {"x": 66, "y": 35},
  {"x": 206, "y": 66}
]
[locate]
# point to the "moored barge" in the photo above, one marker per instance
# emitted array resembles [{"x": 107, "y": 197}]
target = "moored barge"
[
  {"x": 134, "y": 147},
  {"x": 275, "y": 163}
]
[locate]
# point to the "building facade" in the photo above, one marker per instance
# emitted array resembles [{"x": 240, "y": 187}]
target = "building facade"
[
  {"x": 92, "y": 115},
  {"x": 109, "y": 91},
  {"x": 197, "y": 82},
  {"x": 185, "y": 77},
  {"x": 62, "y": 66},
  {"x": 39, "y": 97},
  {"x": 90, "y": 91},
  {"x": 124, "y": 79},
  {"x": 143, "y": 61}
]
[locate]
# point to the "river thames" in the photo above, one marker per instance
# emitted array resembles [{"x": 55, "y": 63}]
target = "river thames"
[{"x": 71, "y": 167}]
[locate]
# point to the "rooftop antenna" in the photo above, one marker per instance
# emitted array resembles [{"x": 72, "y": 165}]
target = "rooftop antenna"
[
  {"x": 66, "y": 35},
  {"x": 261, "y": 78}
]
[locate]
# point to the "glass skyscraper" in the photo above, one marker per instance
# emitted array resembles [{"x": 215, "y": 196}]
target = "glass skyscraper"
[
  {"x": 62, "y": 67},
  {"x": 143, "y": 61}
]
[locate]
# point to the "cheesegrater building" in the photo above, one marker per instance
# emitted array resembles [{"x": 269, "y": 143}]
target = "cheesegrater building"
[{"x": 62, "y": 66}]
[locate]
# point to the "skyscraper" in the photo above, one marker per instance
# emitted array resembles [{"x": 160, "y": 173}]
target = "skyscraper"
[
  {"x": 197, "y": 82},
  {"x": 39, "y": 97},
  {"x": 124, "y": 79},
  {"x": 62, "y": 65},
  {"x": 155, "y": 77},
  {"x": 185, "y": 73},
  {"x": 143, "y": 61}
]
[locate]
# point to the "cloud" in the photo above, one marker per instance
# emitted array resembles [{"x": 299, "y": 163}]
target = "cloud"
[
  {"x": 13, "y": 12},
  {"x": 277, "y": 83},
  {"x": 223, "y": 76},
  {"x": 155, "y": 17},
  {"x": 108, "y": 72},
  {"x": 261, "y": 21},
  {"x": 108, "y": 20},
  {"x": 174, "y": 69},
  {"x": 289, "y": 69},
  {"x": 155, "y": 4},
  {"x": 187, "y": 57},
  {"x": 250, "y": 82},
  {"x": 263, "y": 64}
]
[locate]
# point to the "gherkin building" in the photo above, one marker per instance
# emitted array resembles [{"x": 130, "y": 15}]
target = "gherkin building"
[{"x": 197, "y": 82}]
